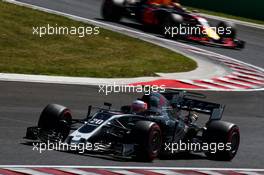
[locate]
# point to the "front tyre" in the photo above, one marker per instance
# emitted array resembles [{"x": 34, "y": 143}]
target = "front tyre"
[
  {"x": 165, "y": 28},
  {"x": 111, "y": 11},
  {"x": 221, "y": 132},
  {"x": 240, "y": 44},
  {"x": 56, "y": 118}
]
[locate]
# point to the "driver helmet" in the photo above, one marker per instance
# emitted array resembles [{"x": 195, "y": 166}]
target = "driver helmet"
[{"x": 139, "y": 106}]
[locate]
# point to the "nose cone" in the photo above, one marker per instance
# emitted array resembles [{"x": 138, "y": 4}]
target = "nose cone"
[{"x": 212, "y": 34}]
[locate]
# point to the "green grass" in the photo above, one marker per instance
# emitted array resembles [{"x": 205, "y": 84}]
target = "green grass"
[
  {"x": 108, "y": 54},
  {"x": 226, "y": 15}
]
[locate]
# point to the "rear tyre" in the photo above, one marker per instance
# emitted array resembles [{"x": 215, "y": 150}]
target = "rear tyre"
[
  {"x": 172, "y": 22},
  {"x": 221, "y": 132},
  {"x": 166, "y": 28},
  {"x": 111, "y": 11},
  {"x": 57, "y": 118},
  {"x": 149, "y": 140}
]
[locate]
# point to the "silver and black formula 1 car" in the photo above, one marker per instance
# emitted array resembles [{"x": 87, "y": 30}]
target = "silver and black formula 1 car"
[
  {"x": 173, "y": 22},
  {"x": 169, "y": 120}
]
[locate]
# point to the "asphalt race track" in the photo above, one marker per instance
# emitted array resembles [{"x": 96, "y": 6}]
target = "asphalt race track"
[{"x": 21, "y": 104}]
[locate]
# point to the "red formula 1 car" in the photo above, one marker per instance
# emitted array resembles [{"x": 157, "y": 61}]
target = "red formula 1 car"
[{"x": 173, "y": 21}]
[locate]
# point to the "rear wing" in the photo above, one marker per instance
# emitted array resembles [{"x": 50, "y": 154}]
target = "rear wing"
[
  {"x": 213, "y": 109},
  {"x": 181, "y": 100}
]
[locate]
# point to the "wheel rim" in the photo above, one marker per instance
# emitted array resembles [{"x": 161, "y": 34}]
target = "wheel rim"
[
  {"x": 155, "y": 142},
  {"x": 234, "y": 140}
]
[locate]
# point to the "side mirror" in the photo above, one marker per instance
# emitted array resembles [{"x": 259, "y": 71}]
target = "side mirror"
[{"x": 89, "y": 112}]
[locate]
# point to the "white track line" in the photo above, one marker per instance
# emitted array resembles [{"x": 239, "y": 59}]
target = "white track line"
[
  {"x": 211, "y": 172},
  {"x": 167, "y": 172},
  {"x": 249, "y": 76},
  {"x": 234, "y": 82},
  {"x": 249, "y": 72},
  {"x": 250, "y": 173},
  {"x": 27, "y": 171},
  {"x": 248, "y": 80},
  {"x": 134, "y": 167},
  {"x": 125, "y": 172},
  {"x": 76, "y": 171},
  {"x": 219, "y": 84},
  {"x": 196, "y": 84}
]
